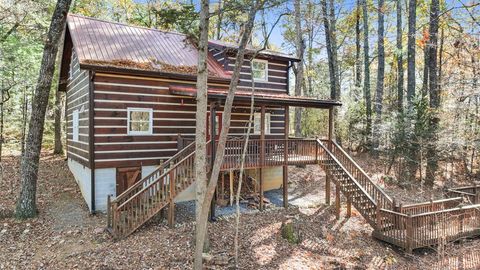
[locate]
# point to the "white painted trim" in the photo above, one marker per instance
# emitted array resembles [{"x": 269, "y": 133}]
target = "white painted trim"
[
  {"x": 131, "y": 85},
  {"x": 150, "y": 124},
  {"x": 135, "y": 151},
  {"x": 141, "y": 102}
]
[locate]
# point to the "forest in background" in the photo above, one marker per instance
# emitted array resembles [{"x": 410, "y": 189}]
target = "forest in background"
[{"x": 413, "y": 102}]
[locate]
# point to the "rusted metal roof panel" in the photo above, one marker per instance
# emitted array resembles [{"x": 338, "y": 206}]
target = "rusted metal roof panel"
[{"x": 109, "y": 43}]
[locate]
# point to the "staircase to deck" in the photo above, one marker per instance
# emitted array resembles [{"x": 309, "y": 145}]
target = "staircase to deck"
[{"x": 409, "y": 227}]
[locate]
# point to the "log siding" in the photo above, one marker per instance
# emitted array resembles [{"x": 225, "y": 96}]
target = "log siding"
[
  {"x": 173, "y": 116},
  {"x": 77, "y": 98},
  {"x": 277, "y": 79}
]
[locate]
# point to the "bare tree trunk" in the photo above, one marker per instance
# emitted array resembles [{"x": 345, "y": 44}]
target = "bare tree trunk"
[
  {"x": 219, "y": 20},
  {"x": 432, "y": 157},
  {"x": 358, "y": 62},
  {"x": 58, "y": 149},
  {"x": 200, "y": 133},
  {"x": 425, "y": 72},
  {"x": 412, "y": 20},
  {"x": 412, "y": 147},
  {"x": 400, "y": 75},
  {"x": 26, "y": 204},
  {"x": 380, "y": 76},
  {"x": 366, "y": 81},
  {"x": 242, "y": 165},
  {"x": 201, "y": 225},
  {"x": 299, "y": 44},
  {"x": 24, "y": 119}
]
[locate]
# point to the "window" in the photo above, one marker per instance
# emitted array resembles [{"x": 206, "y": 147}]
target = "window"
[
  {"x": 75, "y": 124},
  {"x": 260, "y": 70},
  {"x": 140, "y": 121},
  {"x": 257, "y": 120}
]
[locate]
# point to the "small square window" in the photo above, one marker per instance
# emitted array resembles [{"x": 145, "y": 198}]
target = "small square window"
[
  {"x": 260, "y": 70},
  {"x": 257, "y": 120},
  {"x": 140, "y": 121}
]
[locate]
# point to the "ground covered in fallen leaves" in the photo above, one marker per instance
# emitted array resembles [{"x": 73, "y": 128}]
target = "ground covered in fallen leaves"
[{"x": 66, "y": 236}]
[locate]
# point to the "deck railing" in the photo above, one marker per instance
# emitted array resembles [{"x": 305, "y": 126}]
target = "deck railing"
[
  {"x": 378, "y": 195},
  {"x": 269, "y": 153},
  {"x": 470, "y": 193},
  {"x": 412, "y": 231}
]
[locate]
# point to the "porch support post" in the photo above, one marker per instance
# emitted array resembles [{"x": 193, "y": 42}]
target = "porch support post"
[
  {"x": 330, "y": 127},
  {"x": 337, "y": 200},
  {"x": 285, "y": 158},
  {"x": 327, "y": 188},
  {"x": 349, "y": 207},
  {"x": 213, "y": 128},
  {"x": 262, "y": 153}
]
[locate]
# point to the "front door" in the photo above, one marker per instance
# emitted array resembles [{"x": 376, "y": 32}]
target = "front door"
[
  {"x": 126, "y": 177},
  {"x": 217, "y": 123}
]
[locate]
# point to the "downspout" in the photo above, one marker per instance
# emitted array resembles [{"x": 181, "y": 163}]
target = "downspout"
[{"x": 91, "y": 139}]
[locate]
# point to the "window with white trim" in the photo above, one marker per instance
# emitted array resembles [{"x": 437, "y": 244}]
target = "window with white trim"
[
  {"x": 260, "y": 70},
  {"x": 75, "y": 125},
  {"x": 257, "y": 120},
  {"x": 140, "y": 121}
]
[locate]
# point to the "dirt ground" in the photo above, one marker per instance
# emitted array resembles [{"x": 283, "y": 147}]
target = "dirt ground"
[{"x": 66, "y": 236}]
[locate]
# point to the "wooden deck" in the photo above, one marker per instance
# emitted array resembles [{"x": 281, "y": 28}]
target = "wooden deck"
[{"x": 408, "y": 226}]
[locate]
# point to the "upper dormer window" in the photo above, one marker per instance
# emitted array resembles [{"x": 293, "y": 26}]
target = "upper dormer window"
[{"x": 260, "y": 70}]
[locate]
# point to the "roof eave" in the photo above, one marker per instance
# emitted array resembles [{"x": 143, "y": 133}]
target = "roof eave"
[
  {"x": 150, "y": 73},
  {"x": 249, "y": 51}
]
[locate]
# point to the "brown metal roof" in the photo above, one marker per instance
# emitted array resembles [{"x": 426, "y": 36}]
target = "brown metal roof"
[
  {"x": 260, "y": 97},
  {"x": 250, "y": 49},
  {"x": 102, "y": 43}
]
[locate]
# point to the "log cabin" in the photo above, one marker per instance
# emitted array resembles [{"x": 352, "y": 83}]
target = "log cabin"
[
  {"x": 131, "y": 102},
  {"x": 130, "y": 113}
]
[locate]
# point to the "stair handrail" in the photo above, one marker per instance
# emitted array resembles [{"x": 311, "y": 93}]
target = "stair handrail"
[
  {"x": 384, "y": 194},
  {"x": 161, "y": 167},
  {"x": 162, "y": 176},
  {"x": 347, "y": 172}
]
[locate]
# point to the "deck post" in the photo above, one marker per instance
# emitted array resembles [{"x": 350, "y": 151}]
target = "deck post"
[
  {"x": 349, "y": 207},
  {"x": 262, "y": 153},
  {"x": 337, "y": 200},
  {"x": 330, "y": 128},
  {"x": 409, "y": 240},
  {"x": 327, "y": 189},
  {"x": 285, "y": 158},
  {"x": 231, "y": 187},
  {"x": 171, "y": 206}
]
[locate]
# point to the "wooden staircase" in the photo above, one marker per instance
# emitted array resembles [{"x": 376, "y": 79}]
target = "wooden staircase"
[
  {"x": 139, "y": 203},
  {"x": 410, "y": 226}
]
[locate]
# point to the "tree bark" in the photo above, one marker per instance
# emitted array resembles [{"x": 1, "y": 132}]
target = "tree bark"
[
  {"x": 366, "y": 81},
  {"x": 400, "y": 75},
  {"x": 200, "y": 134},
  {"x": 358, "y": 62},
  {"x": 432, "y": 157},
  {"x": 26, "y": 204},
  {"x": 328, "y": 23},
  {"x": 380, "y": 75},
  {"x": 412, "y": 20},
  {"x": 300, "y": 45},
  {"x": 58, "y": 149},
  {"x": 201, "y": 226}
]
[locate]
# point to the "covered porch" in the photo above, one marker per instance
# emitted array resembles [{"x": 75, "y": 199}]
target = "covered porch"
[{"x": 264, "y": 151}]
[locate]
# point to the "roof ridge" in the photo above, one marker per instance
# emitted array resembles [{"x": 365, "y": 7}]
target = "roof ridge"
[{"x": 125, "y": 24}]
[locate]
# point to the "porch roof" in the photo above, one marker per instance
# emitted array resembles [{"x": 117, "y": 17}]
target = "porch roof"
[{"x": 260, "y": 97}]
